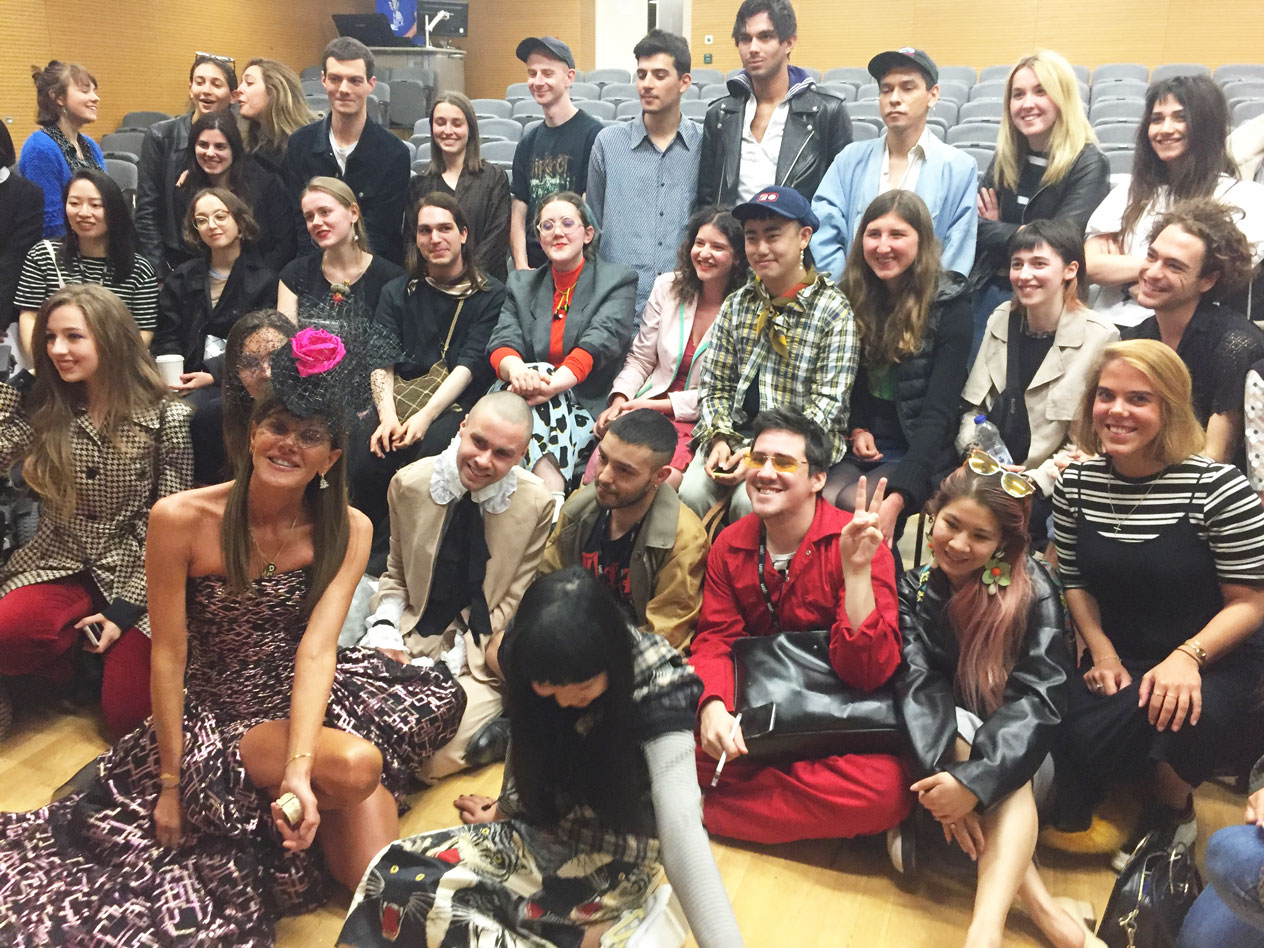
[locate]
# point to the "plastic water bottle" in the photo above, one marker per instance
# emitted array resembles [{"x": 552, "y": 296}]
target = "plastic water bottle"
[{"x": 988, "y": 438}]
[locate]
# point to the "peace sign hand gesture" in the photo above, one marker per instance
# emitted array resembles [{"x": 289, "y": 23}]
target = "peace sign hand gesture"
[{"x": 862, "y": 536}]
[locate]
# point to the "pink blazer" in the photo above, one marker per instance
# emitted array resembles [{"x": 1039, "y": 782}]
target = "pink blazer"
[{"x": 654, "y": 358}]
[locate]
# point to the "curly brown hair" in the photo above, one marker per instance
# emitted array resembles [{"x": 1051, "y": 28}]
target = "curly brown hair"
[
  {"x": 247, "y": 226},
  {"x": 1226, "y": 251}
]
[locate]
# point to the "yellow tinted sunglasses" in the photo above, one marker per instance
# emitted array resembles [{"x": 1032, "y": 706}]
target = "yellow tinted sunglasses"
[
  {"x": 1013, "y": 484},
  {"x": 784, "y": 463}
]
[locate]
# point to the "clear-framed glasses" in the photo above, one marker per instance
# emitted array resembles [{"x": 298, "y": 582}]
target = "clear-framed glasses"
[
  {"x": 201, "y": 222},
  {"x": 1013, "y": 484},
  {"x": 565, "y": 225},
  {"x": 782, "y": 463}
]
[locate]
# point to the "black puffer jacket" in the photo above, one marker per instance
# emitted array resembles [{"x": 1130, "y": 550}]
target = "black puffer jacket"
[
  {"x": 1072, "y": 199},
  {"x": 1013, "y": 741},
  {"x": 928, "y": 388},
  {"x": 817, "y": 128}
]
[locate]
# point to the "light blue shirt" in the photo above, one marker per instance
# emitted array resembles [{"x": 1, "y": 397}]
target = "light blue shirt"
[
  {"x": 641, "y": 197},
  {"x": 947, "y": 181}
]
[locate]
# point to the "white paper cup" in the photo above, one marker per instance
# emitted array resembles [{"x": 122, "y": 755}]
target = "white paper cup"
[{"x": 170, "y": 367}]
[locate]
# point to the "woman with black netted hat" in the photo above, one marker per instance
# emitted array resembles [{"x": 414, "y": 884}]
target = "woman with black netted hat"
[{"x": 265, "y": 739}]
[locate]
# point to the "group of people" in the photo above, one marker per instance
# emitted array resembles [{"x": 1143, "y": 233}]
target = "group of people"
[{"x": 575, "y": 433}]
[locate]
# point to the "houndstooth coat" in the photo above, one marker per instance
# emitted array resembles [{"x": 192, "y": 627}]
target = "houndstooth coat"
[{"x": 105, "y": 539}]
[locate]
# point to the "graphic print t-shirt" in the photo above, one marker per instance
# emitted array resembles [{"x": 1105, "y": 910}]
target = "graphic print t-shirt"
[
  {"x": 609, "y": 560},
  {"x": 553, "y": 159}
]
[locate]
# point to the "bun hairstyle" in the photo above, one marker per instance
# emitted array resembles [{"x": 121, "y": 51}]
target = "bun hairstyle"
[{"x": 51, "y": 84}]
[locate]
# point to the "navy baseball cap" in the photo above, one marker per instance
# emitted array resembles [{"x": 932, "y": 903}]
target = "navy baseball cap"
[
  {"x": 902, "y": 58},
  {"x": 775, "y": 199},
  {"x": 549, "y": 45}
]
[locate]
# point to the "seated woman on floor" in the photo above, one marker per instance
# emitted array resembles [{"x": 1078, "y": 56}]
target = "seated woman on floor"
[
  {"x": 100, "y": 439},
  {"x": 663, "y": 368},
  {"x": 981, "y": 693},
  {"x": 1161, "y": 553},
  {"x": 562, "y": 337},
  {"x": 1034, "y": 360},
  {"x": 221, "y": 427},
  {"x": 599, "y": 798},
  {"x": 201, "y": 299},
  {"x": 249, "y": 584}
]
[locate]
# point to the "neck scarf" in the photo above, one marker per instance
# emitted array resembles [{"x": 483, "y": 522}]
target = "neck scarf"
[{"x": 88, "y": 160}]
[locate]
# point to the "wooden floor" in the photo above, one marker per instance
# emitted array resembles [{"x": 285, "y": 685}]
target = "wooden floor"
[{"x": 823, "y": 893}]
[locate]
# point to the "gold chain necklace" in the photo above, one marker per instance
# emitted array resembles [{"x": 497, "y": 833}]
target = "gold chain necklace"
[
  {"x": 269, "y": 568},
  {"x": 1110, "y": 499}
]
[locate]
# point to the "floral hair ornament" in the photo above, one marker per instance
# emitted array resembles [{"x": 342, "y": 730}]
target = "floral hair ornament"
[
  {"x": 316, "y": 351},
  {"x": 996, "y": 573}
]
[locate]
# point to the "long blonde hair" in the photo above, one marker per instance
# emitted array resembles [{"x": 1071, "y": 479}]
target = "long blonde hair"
[
  {"x": 287, "y": 109},
  {"x": 1071, "y": 131},
  {"x": 892, "y": 326},
  {"x": 124, "y": 370}
]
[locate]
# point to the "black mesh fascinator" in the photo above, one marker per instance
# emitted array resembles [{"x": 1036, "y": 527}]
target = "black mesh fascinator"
[{"x": 325, "y": 370}]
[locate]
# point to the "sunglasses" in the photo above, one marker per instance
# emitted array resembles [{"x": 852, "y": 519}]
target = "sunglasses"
[
  {"x": 1013, "y": 484},
  {"x": 782, "y": 463}
]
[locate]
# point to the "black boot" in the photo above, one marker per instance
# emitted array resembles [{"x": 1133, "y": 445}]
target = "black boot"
[{"x": 489, "y": 743}]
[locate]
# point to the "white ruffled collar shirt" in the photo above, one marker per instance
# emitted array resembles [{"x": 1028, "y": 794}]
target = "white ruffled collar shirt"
[{"x": 446, "y": 486}]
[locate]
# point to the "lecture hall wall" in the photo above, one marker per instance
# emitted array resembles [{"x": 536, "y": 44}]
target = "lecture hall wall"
[{"x": 140, "y": 50}]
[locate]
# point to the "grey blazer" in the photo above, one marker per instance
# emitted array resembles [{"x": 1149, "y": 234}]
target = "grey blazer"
[{"x": 600, "y": 321}]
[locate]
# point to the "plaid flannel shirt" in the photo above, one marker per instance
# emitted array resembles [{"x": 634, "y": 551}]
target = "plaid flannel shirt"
[{"x": 815, "y": 376}]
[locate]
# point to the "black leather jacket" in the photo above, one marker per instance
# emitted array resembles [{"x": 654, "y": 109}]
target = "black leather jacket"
[
  {"x": 1073, "y": 199},
  {"x": 185, "y": 314},
  {"x": 817, "y": 128},
  {"x": 1013, "y": 741},
  {"x": 162, "y": 157}
]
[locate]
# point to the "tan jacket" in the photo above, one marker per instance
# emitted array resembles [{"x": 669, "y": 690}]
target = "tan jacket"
[
  {"x": 1052, "y": 398},
  {"x": 669, "y": 560},
  {"x": 515, "y": 540}
]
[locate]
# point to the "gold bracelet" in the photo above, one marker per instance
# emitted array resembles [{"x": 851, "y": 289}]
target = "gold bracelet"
[
  {"x": 297, "y": 757},
  {"x": 1107, "y": 658},
  {"x": 168, "y": 781},
  {"x": 1197, "y": 654}
]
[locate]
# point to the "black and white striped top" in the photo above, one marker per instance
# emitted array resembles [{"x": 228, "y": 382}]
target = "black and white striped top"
[{"x": 1219, "y": 502}]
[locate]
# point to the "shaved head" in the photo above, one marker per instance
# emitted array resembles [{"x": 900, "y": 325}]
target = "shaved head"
[{"x": 508, "y": 407}]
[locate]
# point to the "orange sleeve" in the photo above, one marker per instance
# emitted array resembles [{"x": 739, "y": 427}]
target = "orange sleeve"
[
  {"x": 579, "y": 362},
  {"x": 498, "y": 356}
]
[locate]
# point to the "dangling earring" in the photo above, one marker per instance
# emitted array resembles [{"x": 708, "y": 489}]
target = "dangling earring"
[
  {"x": 323, "y": 483},
  {"x": 996, "y": 573},
  {"x": 803, "y": 266}
]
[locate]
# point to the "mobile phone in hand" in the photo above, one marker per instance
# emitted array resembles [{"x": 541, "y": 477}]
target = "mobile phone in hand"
[{"x": 93, "y": 631}]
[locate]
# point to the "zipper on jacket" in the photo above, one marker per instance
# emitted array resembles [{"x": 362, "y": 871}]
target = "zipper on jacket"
[{"x": 785, "y": 176}]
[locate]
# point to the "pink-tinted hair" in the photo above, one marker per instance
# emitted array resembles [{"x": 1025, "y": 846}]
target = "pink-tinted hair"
[{"x": 989, "y": 628}]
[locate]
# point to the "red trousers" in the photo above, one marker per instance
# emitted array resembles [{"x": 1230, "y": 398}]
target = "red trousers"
[
  {"x": 38, "y": 637},
  {"x": 830, "y": 798}
]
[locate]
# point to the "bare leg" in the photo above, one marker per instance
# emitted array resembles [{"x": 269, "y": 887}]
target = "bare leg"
[
  {"x": 1049, "y": 916},
  {"x": 547, "y": 470},
  {"x": 358, "y": 814},
  {"x": 351, "y": 837},
  {"x": 1009, "y": 831}
]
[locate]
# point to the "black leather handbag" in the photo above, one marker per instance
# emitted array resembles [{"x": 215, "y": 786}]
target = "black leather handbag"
[
  {"x": 817, "y": 715},
  {"x": 1158, "y": 885}
]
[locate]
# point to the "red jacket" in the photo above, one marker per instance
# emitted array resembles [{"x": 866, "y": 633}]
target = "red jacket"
[{"x": 813, "y": 598}]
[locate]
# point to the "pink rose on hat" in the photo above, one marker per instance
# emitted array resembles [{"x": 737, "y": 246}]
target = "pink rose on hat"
[{"x": 316, "y": 351}]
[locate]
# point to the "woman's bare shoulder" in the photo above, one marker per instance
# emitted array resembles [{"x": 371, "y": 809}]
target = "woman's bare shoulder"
[{"x": 189, "y": 508}]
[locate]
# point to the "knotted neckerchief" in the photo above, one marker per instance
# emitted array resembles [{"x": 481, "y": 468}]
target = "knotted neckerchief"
[{"x": 772, "y": 313}]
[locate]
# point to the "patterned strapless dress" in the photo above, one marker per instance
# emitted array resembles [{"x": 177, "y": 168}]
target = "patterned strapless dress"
[{"x": 87, "y": 870}]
